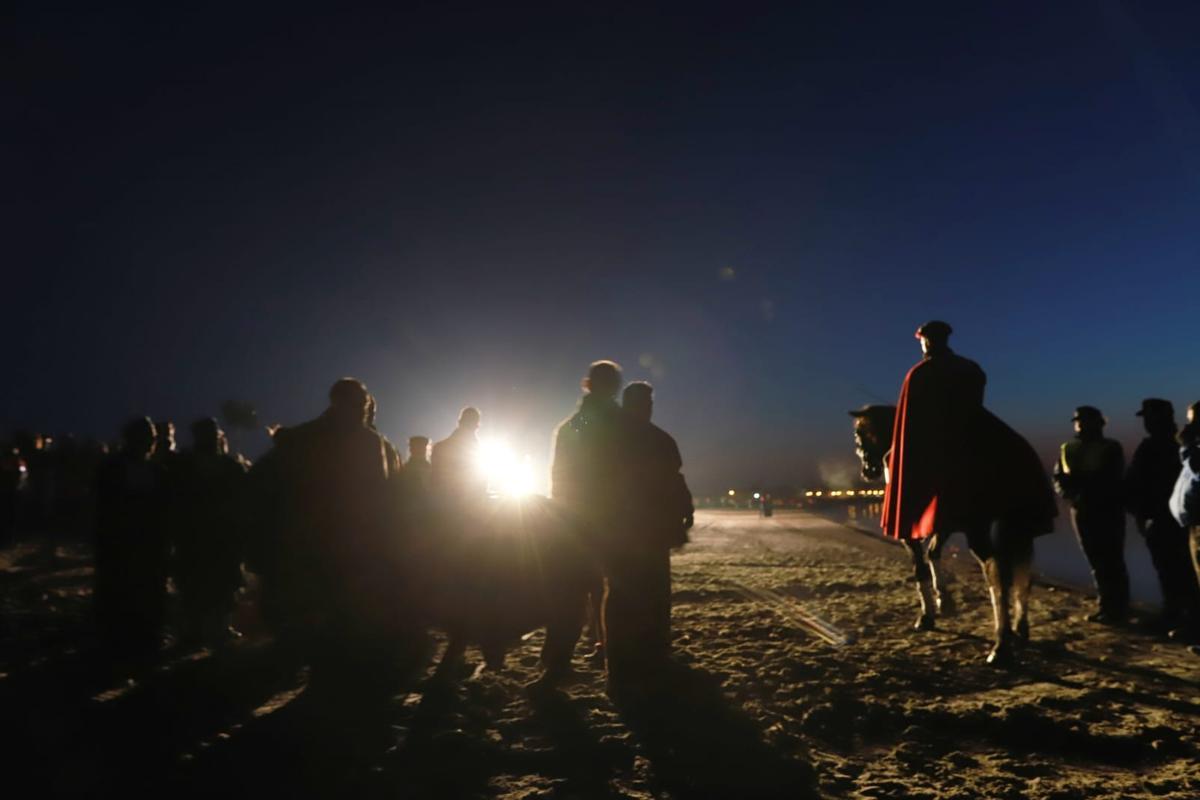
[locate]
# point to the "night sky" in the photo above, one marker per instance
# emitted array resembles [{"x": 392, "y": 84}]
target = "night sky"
[{"x": 752, "y": 206}]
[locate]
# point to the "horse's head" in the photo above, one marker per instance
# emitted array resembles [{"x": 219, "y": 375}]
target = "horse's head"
[{"x": 873, "y": 438}]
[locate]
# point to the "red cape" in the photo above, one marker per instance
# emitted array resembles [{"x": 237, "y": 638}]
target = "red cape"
[{"x": 928, "y": 464}]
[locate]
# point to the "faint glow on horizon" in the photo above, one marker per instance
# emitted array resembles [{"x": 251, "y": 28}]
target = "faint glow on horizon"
[{"x": 506, "y": 472}]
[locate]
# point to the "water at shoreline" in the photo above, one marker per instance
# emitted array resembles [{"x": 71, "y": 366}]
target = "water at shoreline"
[{"x": 1056, "y": 556}]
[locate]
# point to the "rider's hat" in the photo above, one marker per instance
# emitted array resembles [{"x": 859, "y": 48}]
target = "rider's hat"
[
  {"x": 1088, "y": 414},
  {"x": 934, "y": 329},
  {"x": 1157, "y": 407}
]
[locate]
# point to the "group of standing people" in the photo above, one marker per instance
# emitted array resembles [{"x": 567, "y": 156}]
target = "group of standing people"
[
  {"x": 952, "y": 466},
  {"x": 621, "y": 475},
  {"x": 326, "y": 520},
  {"x": 163, "y": 514},
  {"x": 1157, "y": 490}
]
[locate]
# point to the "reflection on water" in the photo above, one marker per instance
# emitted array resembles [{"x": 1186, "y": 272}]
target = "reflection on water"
[{"x": 1057, "y": 555}]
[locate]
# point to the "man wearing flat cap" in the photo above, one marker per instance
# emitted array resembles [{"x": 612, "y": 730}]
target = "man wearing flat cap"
[
  {"x": 1149, "y": 482},
  {"x": 1088, "y": 475},
  {"x": 929, "y": 464}
]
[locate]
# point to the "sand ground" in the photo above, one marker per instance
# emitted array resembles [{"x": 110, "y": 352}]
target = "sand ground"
[{"x": 758, "y": 705}]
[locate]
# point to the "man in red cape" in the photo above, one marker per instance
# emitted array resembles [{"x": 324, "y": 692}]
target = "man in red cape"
[{"x": 929, "y": 466}]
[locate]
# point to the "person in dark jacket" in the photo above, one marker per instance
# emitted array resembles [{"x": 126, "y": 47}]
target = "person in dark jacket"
[
  {"x": 637, "y": 606},
  {"x": 131, "y": 545},
  {"x": 1149, "y": 481},
  {"x": 207, "y": 535},
  {"x": 417, "y": 470},
  {"x": 587, "y": 475},
  {"x": 454, "y": 466},
  {"x": 929, "y": 465},
  {"x": 1088, "y": 475},
  {"x": 328, "y": 556}
]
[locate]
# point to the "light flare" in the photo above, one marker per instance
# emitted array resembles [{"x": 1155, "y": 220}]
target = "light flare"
[{"x": 506, "y": 472}]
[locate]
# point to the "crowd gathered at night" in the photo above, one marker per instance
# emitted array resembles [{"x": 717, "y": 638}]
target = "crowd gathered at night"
[{"x": 353, "y": 548}]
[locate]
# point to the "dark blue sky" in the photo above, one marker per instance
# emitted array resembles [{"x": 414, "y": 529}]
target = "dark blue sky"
[{"x": 751, "y": 205}]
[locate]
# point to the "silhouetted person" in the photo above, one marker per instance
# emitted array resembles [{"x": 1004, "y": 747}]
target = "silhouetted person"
[
  {"x": 637, "y": 606},
  {"x": 928, "y": 496},
  {"x": 1185, "y": 508},
  {"x": 208, "y": 535},
  {"x": 418, "y": 472},
  {"x": 395, "y": 464},
  {"x": 328, "y": 561},
  {"x": 166, "y": 449},
  {"x": 1088, "y": 474},
  {"x": 131, "y": 544},
  {"x": 454, "y": 468},
  {"x": 588, "y": 474},
  {"x": 1149, "y": 481}
]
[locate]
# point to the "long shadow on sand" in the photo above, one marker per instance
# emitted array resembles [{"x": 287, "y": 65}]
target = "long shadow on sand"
[{"x": 700, "y": 745}]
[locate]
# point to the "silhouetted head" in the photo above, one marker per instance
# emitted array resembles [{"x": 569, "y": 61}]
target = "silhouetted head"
[
  {"x": 207, "y": 436},
  {"x": 638, "y": 400},
  {"x": 469, "y": 418},
  {"x": 1158, "y": 417},
  {"x": 1089, "y": 421},
  {"x": 348, "y": 400},
  {"x": 138, "y": 437},
  {"x": 873, "y": 438},
  {"x": 934, "y": 336},
  {"x": 418, "y": 448},
  {"x": 603, "y": 379},
  {"x": 166, "y": 437}
]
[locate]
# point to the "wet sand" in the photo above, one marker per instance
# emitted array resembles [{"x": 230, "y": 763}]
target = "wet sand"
[{"x": 759, "y": 704}]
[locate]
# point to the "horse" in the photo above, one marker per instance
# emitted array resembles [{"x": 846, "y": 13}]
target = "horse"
[
  {"x": 1015, "y": 504},
  {"x": 489, "y": 574}
]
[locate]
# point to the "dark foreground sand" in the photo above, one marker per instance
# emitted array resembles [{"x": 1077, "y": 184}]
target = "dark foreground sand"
[{"x": 759, "y": 705}]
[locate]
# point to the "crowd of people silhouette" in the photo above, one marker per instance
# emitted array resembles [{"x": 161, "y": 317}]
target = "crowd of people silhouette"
[
  {"x": 356, "y": 550},
  {"x": 952, "y": 466}
]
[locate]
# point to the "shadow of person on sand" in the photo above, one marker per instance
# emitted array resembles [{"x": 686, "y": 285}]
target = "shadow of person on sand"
[{"x": 700, "y": 745}]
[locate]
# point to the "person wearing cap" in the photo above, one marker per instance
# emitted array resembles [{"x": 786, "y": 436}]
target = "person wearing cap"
[
  {"x": 1149, "y": 481},
  {"x": 1088, "y": 475},
  {"x": 417, "y": 470},
  {"x": 1185, "y": 506},
  {"x": 928, "y": 496}
]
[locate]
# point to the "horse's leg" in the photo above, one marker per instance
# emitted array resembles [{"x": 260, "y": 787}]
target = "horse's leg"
[
  {"x": 942, "y": 599},
  {"x": 988, "y": 548},
  {"x": 924, "y": 580},
  {"x": 1022, "y": 567}
]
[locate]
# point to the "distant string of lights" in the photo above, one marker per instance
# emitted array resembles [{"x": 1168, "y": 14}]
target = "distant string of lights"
[{"x": 826, "y": 493}]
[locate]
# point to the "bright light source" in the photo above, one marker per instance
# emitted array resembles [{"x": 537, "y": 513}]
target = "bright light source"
[
  {"x": 757, "y": 495},
  {"x": 732, "y": 492},
  {"x": 505, "y": 471},
  {"x": 808, "y": 494}
]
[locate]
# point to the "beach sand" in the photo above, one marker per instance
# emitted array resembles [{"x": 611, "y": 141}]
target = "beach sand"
[{"x": 757, "y": 704}]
